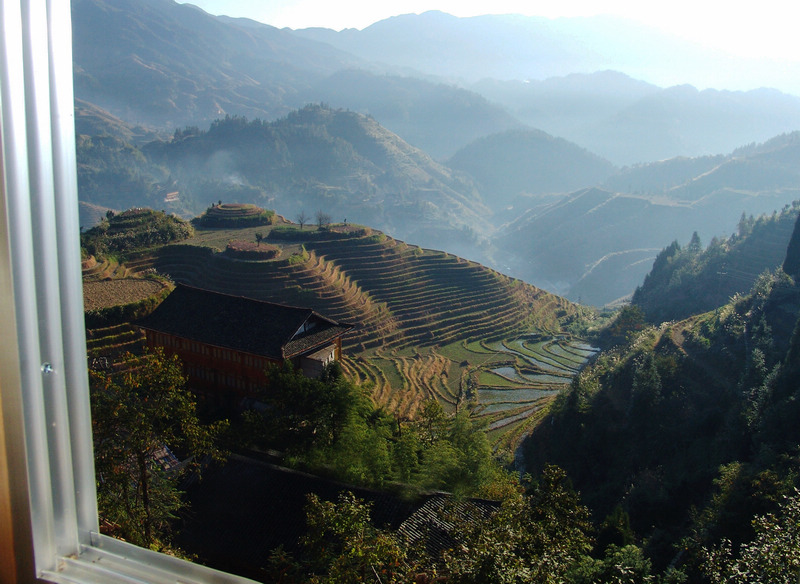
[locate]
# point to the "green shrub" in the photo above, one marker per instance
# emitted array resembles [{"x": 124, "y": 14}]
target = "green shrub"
[
  {"x": 290, "y": 232},
  {"x": 133, "y": 230},
  {"x": 287, "y": 232},
  {"x": 376, "y": 238},
  {"x": 299, "y": 258}
]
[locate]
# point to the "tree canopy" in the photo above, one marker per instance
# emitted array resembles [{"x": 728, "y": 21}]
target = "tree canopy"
[
  {"x": 330, "y": 424},
  {"x": 138, "y": 416}
]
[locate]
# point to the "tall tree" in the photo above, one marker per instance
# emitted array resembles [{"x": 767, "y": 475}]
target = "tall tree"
[
  {"x": 136, "y": 416},
  {"x": 344, "y": 546},
  {"x": 302, "y": 218},
  {"x": 773, "y": 556},
  {"x": 536, "y": 538},
  {"x": 323, "y": 219}
]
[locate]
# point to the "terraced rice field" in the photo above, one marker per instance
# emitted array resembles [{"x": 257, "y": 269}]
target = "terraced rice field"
[
  {"x": 93, "y": 270},
  {"x": 514, "y": 380},
  {"x": 107, "y": 293},
  {"x": 105, "y": 346},
  {"x": 423, "y": 319}
]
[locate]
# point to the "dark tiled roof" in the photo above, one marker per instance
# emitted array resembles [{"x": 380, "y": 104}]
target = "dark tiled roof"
[
  {"x": 242, "y": 511},
  {"x": 434, "y": 521},
  {"x": 243, "y": 324},
  {"x": 239, "y": 513},
  {"x": 321, "y": 334}
]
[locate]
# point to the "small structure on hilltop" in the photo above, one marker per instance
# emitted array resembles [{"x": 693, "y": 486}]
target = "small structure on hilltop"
[{"x": 226, "y": 342}]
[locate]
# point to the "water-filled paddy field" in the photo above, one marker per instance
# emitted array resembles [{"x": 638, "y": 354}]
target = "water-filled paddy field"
[{"x": 535, "y": 369}]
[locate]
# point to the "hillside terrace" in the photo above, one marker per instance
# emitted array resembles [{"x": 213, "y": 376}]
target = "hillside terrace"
[{"x": 422, "y": 315}]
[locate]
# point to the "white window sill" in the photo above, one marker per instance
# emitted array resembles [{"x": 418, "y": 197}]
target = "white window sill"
[{"x": 111, "y": 560}]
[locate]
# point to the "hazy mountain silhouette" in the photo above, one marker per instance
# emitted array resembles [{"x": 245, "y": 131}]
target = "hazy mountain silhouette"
[
  {"x": 518, "y": 162},
  {"x": 629, "y": 121},
  {"x": 597, "y": 245},
  {"x": 563, "y": 106},
  {"x": 684, "y": 121},
  {"x": 530, "y": 48},
  {"x": 510, "y": 46},
  {"x": 436, "y": 117},
  {"x": 169, "y": 64},
  {"x": 536, "y": 69}
]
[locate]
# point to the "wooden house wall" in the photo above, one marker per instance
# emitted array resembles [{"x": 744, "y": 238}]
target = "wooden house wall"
[{"x": 219, "y": 374}]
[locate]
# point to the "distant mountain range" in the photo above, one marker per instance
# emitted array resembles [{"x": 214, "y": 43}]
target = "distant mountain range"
[
  {"x": 166, "y": 65},
  {"x": 512, "y": 46},
  {"x": 628, "y": 121},
  {"x": 523, "y": 175},
  {"x": 596, "y": 245}
]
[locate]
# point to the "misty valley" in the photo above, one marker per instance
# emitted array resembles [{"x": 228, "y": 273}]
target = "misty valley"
[{"x": 484, "y": 307}]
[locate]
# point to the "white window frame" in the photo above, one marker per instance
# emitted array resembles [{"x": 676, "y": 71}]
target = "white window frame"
[{"x": 49, "y": 528}]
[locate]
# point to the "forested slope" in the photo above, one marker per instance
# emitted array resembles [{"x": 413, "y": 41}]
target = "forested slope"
[
  {"x": 690, "y": 428},
  {"x": 690, "y": 280}
]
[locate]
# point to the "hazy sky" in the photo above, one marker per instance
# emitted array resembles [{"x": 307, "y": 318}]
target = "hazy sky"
[{"x": 763, "y": 28}]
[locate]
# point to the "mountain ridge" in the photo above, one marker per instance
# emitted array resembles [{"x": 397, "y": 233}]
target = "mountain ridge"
[
  {"x": 687, "y": 428},
  {"x": 167, "y": 65},
  {"x": 543, "y": 47},
  {"x": 332, "y": 160},
  {"x": 174, "y": 64},
  {"x": 530, "y": 162}
]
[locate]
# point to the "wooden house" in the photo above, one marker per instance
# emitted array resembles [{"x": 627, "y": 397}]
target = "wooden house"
[{"x": 226, "y": 342}]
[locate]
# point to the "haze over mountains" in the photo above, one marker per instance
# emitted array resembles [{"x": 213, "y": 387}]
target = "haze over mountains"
[
  {"x": 172, "y": 64},
  {"x": 340, "y": 162},
  {"x": 513, "y": 46},
  {"x": 456, "y": 140}
]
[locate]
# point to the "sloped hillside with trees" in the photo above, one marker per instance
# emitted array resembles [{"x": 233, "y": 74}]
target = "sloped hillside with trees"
[
  {"x": 318, "y": 158},
  {"x": 689, "y": 429},
  {"x": 690, "y": 280}
]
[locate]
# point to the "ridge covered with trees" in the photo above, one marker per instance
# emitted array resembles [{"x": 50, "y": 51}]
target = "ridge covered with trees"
[
  {"x": 689, "y": 429},
  {"x": 689, "y": 280}
]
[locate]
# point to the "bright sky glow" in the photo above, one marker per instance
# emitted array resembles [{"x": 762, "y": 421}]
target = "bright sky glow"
[{"x": 767, "y": 28}]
